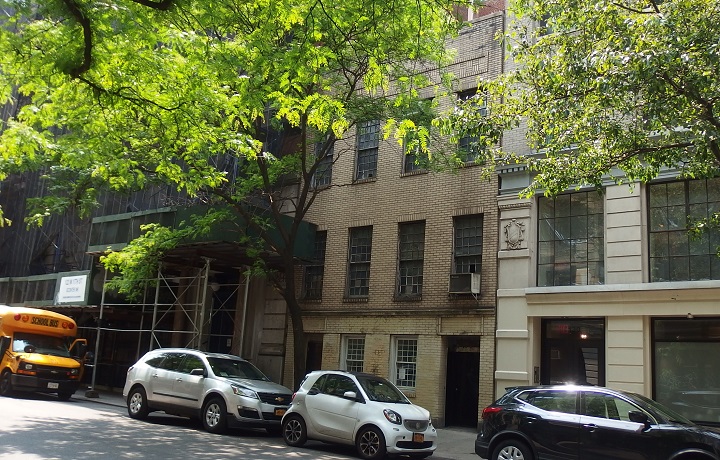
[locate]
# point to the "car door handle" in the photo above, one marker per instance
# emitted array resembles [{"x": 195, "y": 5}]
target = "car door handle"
[
  {"x": 590, "y": 427},
  {"x": 155, "y": 376},
  {"x": 179, "y": 379}
]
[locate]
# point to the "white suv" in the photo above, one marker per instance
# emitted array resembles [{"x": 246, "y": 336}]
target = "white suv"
[
  {"x": 221, "y": 390},
  {"x": 361, "y": 409}
]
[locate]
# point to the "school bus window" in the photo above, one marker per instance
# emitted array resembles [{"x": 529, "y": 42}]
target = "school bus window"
[{"x": 42, "y": 343}]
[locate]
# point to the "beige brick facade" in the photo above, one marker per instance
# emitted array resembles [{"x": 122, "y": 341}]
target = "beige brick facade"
[{"x": 442, "y": 323}]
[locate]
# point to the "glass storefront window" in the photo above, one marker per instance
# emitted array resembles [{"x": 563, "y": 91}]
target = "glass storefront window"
[{"x": 686, "y": 363}]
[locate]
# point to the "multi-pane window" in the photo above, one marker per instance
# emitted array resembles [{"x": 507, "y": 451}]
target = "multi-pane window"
[
  {"x": 675, "y": 255},
  {"x": 571, "y": 240},
  {"x": 353, "y": 353},
  {"x": 468, "y": 241},
  {"x": 368, "y": 140},
  {"x": 359, "y": 261},
  {"x": 315, "y": 271},
  {"x": 468, "y": 144},
  {"x": 324, "y": 156},
  {"x": 405, "y": 361},
  {"x": 411, "y": 253},
  {"x": 413, "y": 160}
]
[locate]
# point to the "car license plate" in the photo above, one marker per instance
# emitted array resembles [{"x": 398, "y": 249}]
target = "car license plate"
[
  {"x": 53, "y": 385},
  {"x": 279, "y": 412},
  {"x": 418, "y": 437}
]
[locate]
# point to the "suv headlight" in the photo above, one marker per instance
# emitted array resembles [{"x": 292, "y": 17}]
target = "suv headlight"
[
  {"x": 392, "y": 416},
  {"x": 238, "y": 390}
]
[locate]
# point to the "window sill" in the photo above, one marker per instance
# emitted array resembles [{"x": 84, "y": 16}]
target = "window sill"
[
  {"x": 355, "y": 299},
  {"x": 407, "y": 298},
  {"x": 419, "y": 172},
  {"x": 365, "y": 181},
  {"x": 311, "y": 300}
]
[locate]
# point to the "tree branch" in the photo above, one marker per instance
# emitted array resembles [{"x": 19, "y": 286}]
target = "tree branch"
[{"x": 84, "y": 22}]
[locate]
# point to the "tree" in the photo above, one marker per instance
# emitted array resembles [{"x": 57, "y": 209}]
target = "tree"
[
  {"x": 606, "y": 85},
  {"x": 123, "y": 95}
]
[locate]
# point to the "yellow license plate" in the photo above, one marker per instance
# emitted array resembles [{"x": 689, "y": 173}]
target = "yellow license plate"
[
  {"x": 418, "y": 437},
  {"x": 279, "y": 412}
]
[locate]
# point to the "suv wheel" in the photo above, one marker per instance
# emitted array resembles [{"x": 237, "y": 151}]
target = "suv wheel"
[
  {"x": 512, "y": 449},
  {"x": 293, "y": 431},
  {"x": 214, "y": 416},
  {"x": 371, "y": 443},
  {"x": 137, "y": 403}
]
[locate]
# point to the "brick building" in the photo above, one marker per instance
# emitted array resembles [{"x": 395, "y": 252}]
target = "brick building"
[{"x": 397, "y": 250}]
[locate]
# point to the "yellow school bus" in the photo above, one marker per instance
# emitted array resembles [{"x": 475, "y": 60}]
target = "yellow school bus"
[{"x": 39, "y": 352}]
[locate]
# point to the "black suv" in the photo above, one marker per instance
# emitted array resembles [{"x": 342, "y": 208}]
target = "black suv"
[{"x": 589, "y": 423}]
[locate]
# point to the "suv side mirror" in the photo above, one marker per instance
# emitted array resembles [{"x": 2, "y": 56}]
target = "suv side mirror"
[
  {"x": 639, "y": 417},
  {"x": 199, "y": 371}
]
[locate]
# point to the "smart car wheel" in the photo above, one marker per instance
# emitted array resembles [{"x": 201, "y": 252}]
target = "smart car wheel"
[
  {"x": 214, "y": 416},
  {"x": 512, "y": 449},
  {"x": 137, "y": 403},
  {"x": 371, "y": 443},
  {"x": 293, "y": 431}
]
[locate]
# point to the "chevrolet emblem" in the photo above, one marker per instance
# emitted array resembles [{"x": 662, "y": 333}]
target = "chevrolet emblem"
[{"x": 279, "y": 399}]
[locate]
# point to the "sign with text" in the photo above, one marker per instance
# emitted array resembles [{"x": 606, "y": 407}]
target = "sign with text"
[{"x": 72, "y": 289}]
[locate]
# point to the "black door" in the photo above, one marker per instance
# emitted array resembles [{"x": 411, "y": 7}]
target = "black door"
[
  {"x": 573, "y": 351},
  {"x": 462, "y": 382}
]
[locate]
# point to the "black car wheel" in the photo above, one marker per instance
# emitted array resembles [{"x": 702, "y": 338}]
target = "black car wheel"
[
  {"x": 371, "y": 443},
  {"x": 137, "y": 403},
  {"x": 512, "y": 449},
  {"x": 215, "y": 416},
  {"x": 293, "y": 431},
  {"x": 64, "y": 395}
]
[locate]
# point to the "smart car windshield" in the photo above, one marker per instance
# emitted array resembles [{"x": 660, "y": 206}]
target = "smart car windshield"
[
  {"x": 379, "y": 389},
  {"x": 234, "y": 368}
]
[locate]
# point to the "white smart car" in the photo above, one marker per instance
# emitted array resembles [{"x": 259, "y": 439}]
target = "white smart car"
[{"x": 358, "y": 409}]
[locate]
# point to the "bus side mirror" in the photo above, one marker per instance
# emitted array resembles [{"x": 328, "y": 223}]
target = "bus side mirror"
[
  {"x": 4, "y": 345},
  {"x": 89, "y": 357}
]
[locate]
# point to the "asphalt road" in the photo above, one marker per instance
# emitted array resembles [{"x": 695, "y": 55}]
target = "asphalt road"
[{"x": 35, "y": 426}]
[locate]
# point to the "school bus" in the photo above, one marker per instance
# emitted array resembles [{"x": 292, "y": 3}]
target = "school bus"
[{"x": 39, "y": 352}]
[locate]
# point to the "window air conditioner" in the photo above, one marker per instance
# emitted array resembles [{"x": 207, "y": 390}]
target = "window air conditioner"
[{"x": 464, "y": 283}]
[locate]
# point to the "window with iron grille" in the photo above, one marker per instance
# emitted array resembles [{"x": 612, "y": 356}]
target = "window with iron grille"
[
  {"x": 411, "y": 254},
  {"x": 368, "y": 135},
  {"x": 675, "y": 254},
  {"x": 404, "y": 361},
  {"x": 359, "y": 261},
  {"x": 468, "y": 243},
  {"x": 571, "y": 242},
  {"x": 353, "y": 353},
  {"x": 468, "y": 144},
  {"x": 315, "y": 272},
  {"x": 323, "y": 173}
]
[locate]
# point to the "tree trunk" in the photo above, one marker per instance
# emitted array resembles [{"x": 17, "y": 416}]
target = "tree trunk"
[{"x": 296, "y": 317}]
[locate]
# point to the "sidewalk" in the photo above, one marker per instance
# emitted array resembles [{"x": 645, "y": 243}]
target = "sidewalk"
[{"x": 453, "y": 443}]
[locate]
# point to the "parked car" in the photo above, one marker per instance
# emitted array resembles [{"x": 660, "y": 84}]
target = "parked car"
[
  {"x": 358, "y": 409},
  {"x": 221, "y": 390},
  {"x": 589, "y": 423}
]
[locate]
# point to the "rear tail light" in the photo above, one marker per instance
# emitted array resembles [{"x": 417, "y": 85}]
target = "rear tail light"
[{"x": 490, "y": 411}]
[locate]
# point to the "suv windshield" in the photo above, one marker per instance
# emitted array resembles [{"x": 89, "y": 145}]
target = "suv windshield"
[
  {"x": 43, "y": 344},
  {"x": 234, "y": 368},
  {"x": 379, "y": 389},
  {"x": 663, "y": 411}
]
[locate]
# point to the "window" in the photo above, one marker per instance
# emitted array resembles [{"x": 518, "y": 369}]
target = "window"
[
  {"x": 467, "y": 144},
  {"x": 315, "y": 271},
  {"x": 468, "y": 243},
  {"x": 413, "y": 161},
  {"x": 353, "y": 353},
  {"x": 359, "y": 261},
  {"x": 686, "y": 357},
  {"x": 323, "y": 173},
  {"x": 674, "y": 254},
  {"x": 368, "y": 135},
  {"x": 552, "y": 400},
  {"x": 190, "y": 363},
  {"x": 607, "y": 406},
  {"x": 337, "y": 385},
  {"x": 571, "y": 240},
  {"x": 405, "y": 362},
  {"x": 411, "y": 253}
]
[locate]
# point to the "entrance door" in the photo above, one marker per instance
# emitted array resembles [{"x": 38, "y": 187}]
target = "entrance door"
[
  {"x": 313, "y": 359},
  {"x": 573, "y": 351},
  {"x": 462, "y": 381}
]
